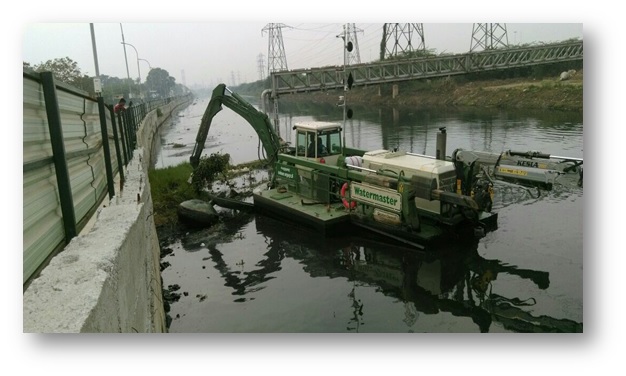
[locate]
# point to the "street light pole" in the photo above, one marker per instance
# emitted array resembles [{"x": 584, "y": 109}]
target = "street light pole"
[
  {"x": 150, "y": 66},
  {"x": 96, "y": 83},
  {"x": 138, "y": 70},
  {"x": 126, "y": 60},
  {"x": 149, "y": 88}
]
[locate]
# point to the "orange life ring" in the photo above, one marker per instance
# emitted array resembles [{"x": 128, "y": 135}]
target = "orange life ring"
[{"x": 347, "y": 205}]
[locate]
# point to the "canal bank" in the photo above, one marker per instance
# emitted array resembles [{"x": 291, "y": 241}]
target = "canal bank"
[
  {"x": 549, "y": 93},
  {"x": 107, "y": 280}
]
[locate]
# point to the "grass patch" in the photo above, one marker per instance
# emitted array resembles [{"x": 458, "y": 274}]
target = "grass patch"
[
  {"x": 547, "y": 84},
  {"x": 170, "y": 187}
]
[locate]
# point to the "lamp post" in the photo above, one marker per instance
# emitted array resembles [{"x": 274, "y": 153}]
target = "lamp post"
[
  {"x": 150, "y": 66},
  {"x": 126, "y": 60},
  {"x": 97, "y": 88},
  {"x": 138, "y": 70}
]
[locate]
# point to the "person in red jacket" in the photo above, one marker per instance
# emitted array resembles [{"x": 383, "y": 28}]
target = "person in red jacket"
[{"x": 120, "y": 106}]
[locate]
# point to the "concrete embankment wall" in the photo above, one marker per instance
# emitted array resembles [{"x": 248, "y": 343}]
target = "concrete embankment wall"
[{"x": 107, "y": 279}]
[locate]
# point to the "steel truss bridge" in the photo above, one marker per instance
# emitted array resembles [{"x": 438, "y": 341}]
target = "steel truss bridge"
[{"x": 332, "y": 77}]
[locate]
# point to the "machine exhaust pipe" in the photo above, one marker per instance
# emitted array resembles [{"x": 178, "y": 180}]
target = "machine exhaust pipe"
[
  {"x": 265, "y": 98},
  {"x": 441, "y": 144}
]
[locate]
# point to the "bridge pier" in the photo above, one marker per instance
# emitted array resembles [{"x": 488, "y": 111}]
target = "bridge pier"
[{"x": 395, "y": 90}]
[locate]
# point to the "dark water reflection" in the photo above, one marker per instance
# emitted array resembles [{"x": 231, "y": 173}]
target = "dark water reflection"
[
  {"x": 414, "y": 130},
  {"x": 255, "y": 274},
  {"x": 282, "y": 278}
]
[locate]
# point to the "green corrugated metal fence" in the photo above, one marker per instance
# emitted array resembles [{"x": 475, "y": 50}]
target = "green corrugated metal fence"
[{"x": 73, "y": 146}]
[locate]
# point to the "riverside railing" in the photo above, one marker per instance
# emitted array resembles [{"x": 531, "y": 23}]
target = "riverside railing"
[{"x": 74, "y": 145}]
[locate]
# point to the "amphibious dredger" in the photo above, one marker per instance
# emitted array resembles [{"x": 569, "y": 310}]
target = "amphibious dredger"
[{"x": 415, "y": 199}]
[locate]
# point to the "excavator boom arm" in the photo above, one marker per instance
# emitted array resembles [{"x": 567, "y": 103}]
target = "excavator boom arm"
[{"x": 259, "y": 121}]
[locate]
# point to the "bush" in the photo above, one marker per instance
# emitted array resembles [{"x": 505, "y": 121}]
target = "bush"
[{"x": 208, "y": 168}]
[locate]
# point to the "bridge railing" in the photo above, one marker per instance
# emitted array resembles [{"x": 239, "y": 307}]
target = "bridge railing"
[{"x": 331, "y": 77}]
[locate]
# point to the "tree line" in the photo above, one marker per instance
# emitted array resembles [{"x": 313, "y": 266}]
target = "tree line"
[{"x": 158, "y": 83}]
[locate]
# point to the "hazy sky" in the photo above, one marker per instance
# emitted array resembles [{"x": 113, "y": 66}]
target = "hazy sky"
[
  {"x": 213, "y": 52},
  {"x": 241, "y": 25}
]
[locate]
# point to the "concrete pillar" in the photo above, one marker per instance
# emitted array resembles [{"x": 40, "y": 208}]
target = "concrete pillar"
[{"x": 395, "y": 91}]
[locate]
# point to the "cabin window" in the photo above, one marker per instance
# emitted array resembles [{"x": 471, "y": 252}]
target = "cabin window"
[
  {"x": 318, "y": 144},
  {"x": 334, "y": 141},
  {"x": 301, "y": 143},
  {"x": 315, "y": 145},
  {"x": 331, "y": 142}
]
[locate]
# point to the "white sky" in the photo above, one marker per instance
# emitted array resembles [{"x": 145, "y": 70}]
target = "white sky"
[
  {"x": 213, "y": 52},
  {"x": 598, "y": 350}
]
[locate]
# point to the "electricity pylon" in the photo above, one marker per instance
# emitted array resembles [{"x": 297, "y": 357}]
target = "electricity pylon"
[
  {"x": 260, "y": 60},
  {"x": 276, "y": 58},
  {"x": 406, "y": 38},
  {"x": 488, "y": 36},
  {"x": 354, "y": 56}
]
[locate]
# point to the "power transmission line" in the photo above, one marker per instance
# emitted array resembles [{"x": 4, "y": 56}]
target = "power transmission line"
[
  {"x": 323, "y": 50},
  {"x": 318, "y": 52}
]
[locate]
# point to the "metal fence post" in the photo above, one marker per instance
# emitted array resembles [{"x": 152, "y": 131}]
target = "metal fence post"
[
  {"x": 120, "y": 163},
  {"x": 123, "y": 136},
  {"x": 58, "y": 151},
  {"x": 123, "y": 117},
  {"x": 107, "y": 151},
  {"x": 133, "y": 127}
]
